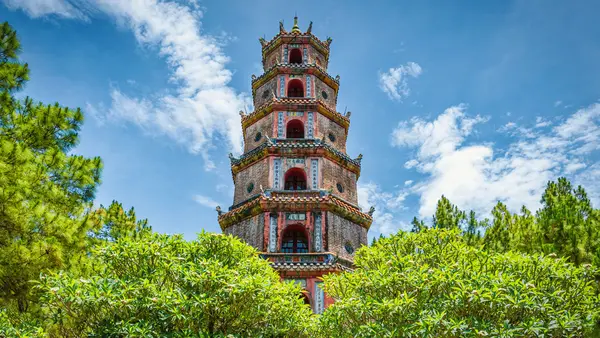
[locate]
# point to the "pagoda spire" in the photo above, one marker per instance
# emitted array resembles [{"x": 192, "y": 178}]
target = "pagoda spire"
[{"x": 296, "y": 29}]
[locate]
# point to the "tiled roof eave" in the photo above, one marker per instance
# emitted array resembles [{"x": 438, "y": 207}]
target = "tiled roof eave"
[
  {"x": 282, "y": 68},
  {"x": 268, "y": 148},
  {"x": 278, "y": 39},
  {"x": 265, "y": 204},
  {"x": 270, "y": 106}
]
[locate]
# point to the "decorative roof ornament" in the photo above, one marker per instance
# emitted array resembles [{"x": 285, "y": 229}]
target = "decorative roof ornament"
[
  {"x": 263, "y": 42},
  {"x": 371, "y": 211},
  {"x": 359, "y": 158},
  {"x": 242, "y": 114},
  {"x": 309, "y": 30},
  {"x": 219, "y": 211},
  {"x": 328, "y": 41},
  {"x": 253, "y": 77},
  {"x": 231, "y": 157},
  {"x": 348, "y": 114},
  {"x": 281, "y": 28},
  {"x": 296, "y": 29}
]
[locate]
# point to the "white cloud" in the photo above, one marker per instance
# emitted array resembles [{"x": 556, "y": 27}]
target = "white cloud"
[
  {"x": 386, "y": 204},
  {"x": 557, "y": 103},
  {"x": 203, "y": 105},
  {"x": 205, "y": 201},
  {"x": 540, "y": 122},
  {"x": 394, "y": 82},
  {"x": 408, "y": 183},
  {"x": 40, "y": 8},
  {"x": 476, "y": 176}
]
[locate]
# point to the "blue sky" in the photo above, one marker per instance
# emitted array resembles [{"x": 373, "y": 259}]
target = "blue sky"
[{"x": 482, "y": 101}]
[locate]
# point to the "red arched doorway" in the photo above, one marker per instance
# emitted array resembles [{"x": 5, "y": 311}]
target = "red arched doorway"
[
  {"x": 294, "y": 239},
  {"x": 295, "y": 88},
  {"x": 295, "y": 179},
  {"x": 294, "y": 129},
  {"x": 295, "y": 56}
]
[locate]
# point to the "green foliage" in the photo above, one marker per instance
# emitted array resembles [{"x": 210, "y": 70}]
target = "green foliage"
[
  {"x": 112, "y": 223},
  {"x": 568, "y": 223},
  {"x": 45, "y": 192},
  {"x": 20, "y": 325},
  {"x": 433, "y": 284},
  {"x": 161, "y": 285},
  {"x": 448, "y": 215},
  {"x": 417, "y": 225}
]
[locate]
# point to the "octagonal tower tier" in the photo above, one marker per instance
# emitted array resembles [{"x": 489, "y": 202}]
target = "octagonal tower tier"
[{"x": 295, "y": 196}]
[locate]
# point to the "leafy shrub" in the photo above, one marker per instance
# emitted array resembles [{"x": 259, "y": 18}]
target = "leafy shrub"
[
  {"x": 433, "y": 284},
  {"x": 161, "y": 285}
]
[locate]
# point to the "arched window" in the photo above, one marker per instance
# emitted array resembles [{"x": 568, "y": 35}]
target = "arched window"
[
  {"x": 294, "y": 240},
  {"x": 295, "y": 56},
  {"x": 295, "y": 129},
  {"x": 295, "y": 179},
  {"x": 295, "y": 88}
]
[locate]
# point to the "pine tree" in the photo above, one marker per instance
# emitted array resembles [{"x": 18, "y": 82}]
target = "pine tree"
[
  {"x": 45, "y": 191},
  {"x": 417, "y": 225},
  {"x": 471, "y": 234},
  {"x": 497, "y": 236},
  {"x": 114, "y": 222},
  {"x": 568, "y": 224},
  {"x": 448, "y": 215}
]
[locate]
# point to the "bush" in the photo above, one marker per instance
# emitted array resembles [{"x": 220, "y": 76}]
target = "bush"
[
  {"x": 433, "y": 284},
  {"x": 161, "y": 285}
]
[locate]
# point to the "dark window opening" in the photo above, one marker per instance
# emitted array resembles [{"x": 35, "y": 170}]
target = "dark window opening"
[
  {"x": 295, "y": 179},
  {"x": 306, "y": 300},
  {"x": 295, "y": 129},
  {"x": 294, "y": 240},
  {"x": 295, "y": 88},
  {"x": 295, "y": 56}
]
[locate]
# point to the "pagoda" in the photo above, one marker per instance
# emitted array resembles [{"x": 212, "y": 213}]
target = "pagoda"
[{"x": 295, "y": 196}]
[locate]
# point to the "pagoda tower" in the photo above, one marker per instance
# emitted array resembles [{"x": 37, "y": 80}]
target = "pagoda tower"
[{"x": 295, "y": 197}]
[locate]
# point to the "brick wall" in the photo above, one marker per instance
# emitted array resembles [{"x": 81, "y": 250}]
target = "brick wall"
[
  {"x": 258, "y": 174},
  {"x": 321, "y": 87},
  {"x": 250, "y": 230},
  {"x": 325, "y": 126},
  {"x": 315, "y": 57},
  {"x": 264, "y": 94},
  {"x": 341, "y": 231},
  {"x": 264, "y": 126},
  {"x": 333, "y": 174}
]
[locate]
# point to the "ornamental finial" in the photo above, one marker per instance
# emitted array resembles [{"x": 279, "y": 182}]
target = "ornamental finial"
[
  {"x": 371, "y": 211},
  {"x": 296, "y": 29},
  {"x": 359, "y": 158},
  {"x": 218, "y": 208},
  {"x": 328, "y": 41},
  {"x": 263, "y": 42},
  {"x": 281, "y": 28},
  {"x": 309, "y": 30}
]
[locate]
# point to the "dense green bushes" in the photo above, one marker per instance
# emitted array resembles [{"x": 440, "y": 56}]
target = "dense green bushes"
[
  {"x": 162, "y": 285},
  {"x": 433, "y": 284}
]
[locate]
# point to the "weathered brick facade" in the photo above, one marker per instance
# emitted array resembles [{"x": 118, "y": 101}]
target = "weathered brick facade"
[
  {"x": 251, "y": 230},
  {"x": 255, "y": 134},
  {"x": 295, "y": 196}
]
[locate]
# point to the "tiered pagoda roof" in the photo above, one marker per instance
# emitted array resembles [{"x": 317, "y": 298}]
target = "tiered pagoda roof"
[{"x": 272, "y": 200}]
